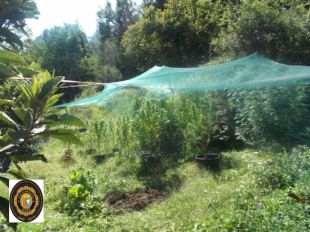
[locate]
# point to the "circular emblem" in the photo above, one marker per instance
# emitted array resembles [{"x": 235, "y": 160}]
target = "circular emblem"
[{"x": 26, "y": 200}]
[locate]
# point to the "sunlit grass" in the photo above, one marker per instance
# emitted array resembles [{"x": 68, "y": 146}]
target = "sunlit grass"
[{"x": 204, "y": 200}]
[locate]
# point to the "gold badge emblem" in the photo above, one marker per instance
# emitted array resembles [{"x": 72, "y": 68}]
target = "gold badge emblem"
[{"x": 26, "y": 200}]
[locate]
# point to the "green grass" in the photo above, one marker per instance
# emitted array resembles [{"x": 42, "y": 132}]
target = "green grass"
[{"x": 235, "y": 199}]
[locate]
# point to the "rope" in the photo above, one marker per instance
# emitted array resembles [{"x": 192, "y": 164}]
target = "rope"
[{"x": 83, "y": 83}]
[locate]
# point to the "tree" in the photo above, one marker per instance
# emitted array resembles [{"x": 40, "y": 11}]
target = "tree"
[
  {"x": 113, "y": 23},
  {"x": 13, "y": 14},
  {"x": 125, "y": 15},
  {"x": 160, "y": 4},
  {"x": 180, "y": 35},
  {"x": 109, "y": 60},
  {"x": 106, "y": 22},
  {"x": 279, "y": 30},
  {"x": 66, "y": 51}
]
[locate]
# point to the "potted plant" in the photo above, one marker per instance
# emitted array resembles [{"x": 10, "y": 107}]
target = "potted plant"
[
  {"x": 147, "y": 127},
  {"x": 207, "y": 127}
]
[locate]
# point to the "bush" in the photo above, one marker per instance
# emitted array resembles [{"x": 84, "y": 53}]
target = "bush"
[
  {"x": 78, "y": 196},
  {"x": 286, "y": 169},
  {"x": 262, "y": 204},
  {"x": 273, "y": 213}
]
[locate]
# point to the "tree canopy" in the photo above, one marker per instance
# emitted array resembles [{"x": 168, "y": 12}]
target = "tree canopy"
[
  {"x": 179, "y": 35},
  {"x": 278, "y": 29},
  {"x": 65, "y": 51}
]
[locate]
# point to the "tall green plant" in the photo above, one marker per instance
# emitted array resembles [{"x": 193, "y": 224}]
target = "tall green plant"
[
  {"x": 99, "y": 129},
  {"x": 147, "y": 127}
]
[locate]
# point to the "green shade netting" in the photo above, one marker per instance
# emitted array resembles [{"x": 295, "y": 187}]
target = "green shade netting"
[{"x": 254, "y": 71}]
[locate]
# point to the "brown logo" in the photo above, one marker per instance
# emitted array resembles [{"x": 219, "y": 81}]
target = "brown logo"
[{"x": 26, "y": 200}]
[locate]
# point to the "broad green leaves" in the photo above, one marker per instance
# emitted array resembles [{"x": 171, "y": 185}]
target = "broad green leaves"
[
  {"x": 70, "y": 120},
  {"x": 25, "y": 158},
  {"x": 65, "y": 135},
  {"x": 7, "y": 119},
  {"x": 63, "y": 120},
  {"x": 6, "y": 102},
  {"x": 4, "y": 203},
  {"x": 10, "y": 58},
  {"x": 79, "y": 194},
  {"x": 12, "y": 64},
  {"x": 26, "y": 120},
  {"x": 4, "y": 180},
  {"x": 6, "y": 71},
  {"x": 4, "y": 207}
]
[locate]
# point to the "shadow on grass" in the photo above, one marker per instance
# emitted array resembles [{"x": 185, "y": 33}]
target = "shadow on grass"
[
  {"x": 160, "y": 173},
  {"x": 217, "y": 166}
]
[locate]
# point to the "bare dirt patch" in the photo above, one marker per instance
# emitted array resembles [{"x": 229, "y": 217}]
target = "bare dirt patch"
[{"x": 137, "y": 200}]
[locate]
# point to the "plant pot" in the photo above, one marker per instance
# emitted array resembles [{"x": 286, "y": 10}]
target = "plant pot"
[
  {"x": 150, "y": 162},
  {"x": 150, "y": 156},
  {"x": 210, "y": 160},
  {"x": 99, "y": 158}
]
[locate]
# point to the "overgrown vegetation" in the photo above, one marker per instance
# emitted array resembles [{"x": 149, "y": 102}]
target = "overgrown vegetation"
[{"x": 148, "y": 146}]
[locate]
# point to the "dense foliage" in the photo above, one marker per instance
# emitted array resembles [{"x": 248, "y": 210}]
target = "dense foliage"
[
  {"x": 151, "y": 144},
  {"x": 66, "y": 52},
  {"x": 26, "y": 118},
  {"x": 179, "y": 35},
  {"x": 26, "y": 121},
  {"x": 278, "y": 29},
  {"x": 271, "y": 115},
  {"x": 78, "y": 195},
  {"x": 129, "y": 40}
]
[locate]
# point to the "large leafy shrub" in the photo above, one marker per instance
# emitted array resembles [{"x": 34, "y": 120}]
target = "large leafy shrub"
[
  {"x": 11, "y": 64},
  {"x": 26, "y": 117}
]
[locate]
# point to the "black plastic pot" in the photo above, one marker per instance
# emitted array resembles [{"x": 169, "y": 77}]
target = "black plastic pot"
[
  {"x": 99, "y": 158},
  {"x": 210, "y": 160}
]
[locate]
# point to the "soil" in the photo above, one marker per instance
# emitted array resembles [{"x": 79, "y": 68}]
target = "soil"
[{"x": 137, "y": 200}]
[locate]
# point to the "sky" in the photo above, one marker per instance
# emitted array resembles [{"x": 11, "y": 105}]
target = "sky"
[{"x": 58, "y": 12}]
